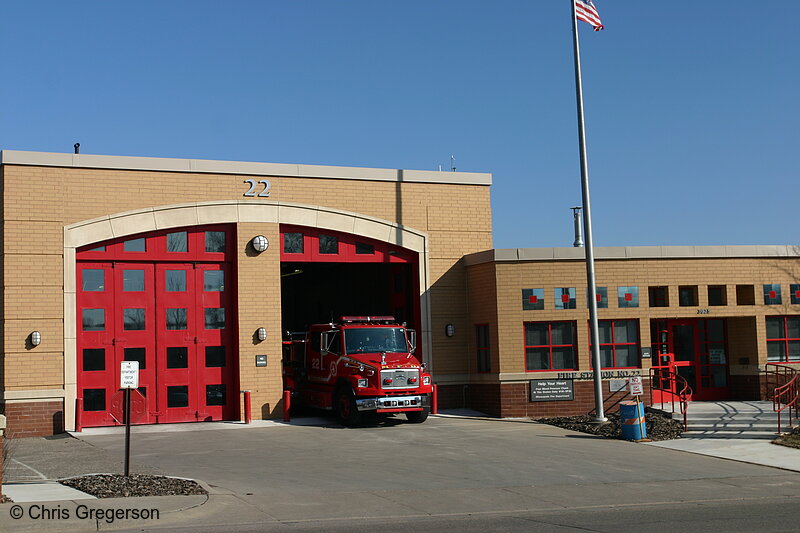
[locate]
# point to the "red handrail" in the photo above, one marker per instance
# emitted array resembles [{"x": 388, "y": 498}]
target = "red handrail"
[
  {"x": 784, "y": 391},
  {"x": 676, "y": 387}
]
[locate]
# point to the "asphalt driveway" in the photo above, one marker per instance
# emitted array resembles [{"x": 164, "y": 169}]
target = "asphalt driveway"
[{"x": 448, "y": 466}]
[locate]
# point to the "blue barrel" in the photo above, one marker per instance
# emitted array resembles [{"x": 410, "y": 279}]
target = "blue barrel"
[{"x": 631, "y": 418}]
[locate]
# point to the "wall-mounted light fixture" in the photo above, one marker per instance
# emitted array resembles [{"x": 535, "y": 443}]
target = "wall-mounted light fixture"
[
  {"x": 259, "y": 243},
  {"x": 449, "y": 330},
  {"x": 262, "y": 334},
  {"x": 36, "y": 338}
]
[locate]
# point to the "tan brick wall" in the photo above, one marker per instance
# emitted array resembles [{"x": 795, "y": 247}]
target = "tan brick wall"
[
  {"x": 457, "y": 219},
  {"x": 260, "y": 306},
  {"x": 482, "y": 301},
  {"x": 746, "y": 323}
]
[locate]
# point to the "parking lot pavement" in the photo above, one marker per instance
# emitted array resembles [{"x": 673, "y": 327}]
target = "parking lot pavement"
[{"x": 447, "y": 466}]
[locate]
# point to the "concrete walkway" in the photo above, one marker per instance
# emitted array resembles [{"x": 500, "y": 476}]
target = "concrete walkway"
[{"x": 740, "y": 431}]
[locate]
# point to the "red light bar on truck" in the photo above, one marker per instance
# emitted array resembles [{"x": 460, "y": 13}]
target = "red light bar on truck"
[{"x": 367, "y": 319}]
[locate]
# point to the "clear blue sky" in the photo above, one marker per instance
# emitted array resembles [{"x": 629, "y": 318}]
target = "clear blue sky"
[{"x": 691, "y": 107}]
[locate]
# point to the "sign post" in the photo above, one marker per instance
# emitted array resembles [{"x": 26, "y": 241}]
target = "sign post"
[{"x": 128, "y": 379}]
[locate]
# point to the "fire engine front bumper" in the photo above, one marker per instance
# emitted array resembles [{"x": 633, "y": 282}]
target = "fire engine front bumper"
[{"x": 393, "y": 403}]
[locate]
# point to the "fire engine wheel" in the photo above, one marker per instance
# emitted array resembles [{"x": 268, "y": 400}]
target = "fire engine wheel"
[
  {"x": 418, "y": 417},
  {"x": 346, "y": 409}
]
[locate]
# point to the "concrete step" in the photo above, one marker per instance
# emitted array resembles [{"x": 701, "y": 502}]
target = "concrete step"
[
  {"x": 741, "y": 419},
  {"x": 733, "y": 427},
  {"x": 760, "y": 435}
]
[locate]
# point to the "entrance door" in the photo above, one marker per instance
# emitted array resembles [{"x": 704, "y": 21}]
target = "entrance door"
[
  {"x": 175, "y": 317},
  {"x": 700, "y": 356}
]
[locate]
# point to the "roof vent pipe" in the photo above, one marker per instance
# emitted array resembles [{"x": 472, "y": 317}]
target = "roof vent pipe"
[
  {"x": 77, "y": 148},
  {"x": 577, "y": 218}
]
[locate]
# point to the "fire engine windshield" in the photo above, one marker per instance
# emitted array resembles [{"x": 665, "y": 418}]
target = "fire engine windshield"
[{"x": 360, "y": 340}]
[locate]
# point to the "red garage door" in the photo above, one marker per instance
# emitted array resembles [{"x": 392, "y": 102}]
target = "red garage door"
[{"x": 165, "y": 300}]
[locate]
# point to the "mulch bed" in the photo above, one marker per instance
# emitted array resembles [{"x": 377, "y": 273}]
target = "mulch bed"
[
  {"x": 118, "y": 486},
  {"x": 660, "y": 426},
  {"x": 791, "y": 439}
]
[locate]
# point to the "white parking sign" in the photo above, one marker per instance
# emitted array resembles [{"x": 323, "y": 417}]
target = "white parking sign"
[
  {"x": 635, "y": 384},
  {"x": 129, "y": 375}
]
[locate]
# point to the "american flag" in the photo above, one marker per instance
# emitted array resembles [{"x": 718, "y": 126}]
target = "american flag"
[{"x": 585, "y": 11}]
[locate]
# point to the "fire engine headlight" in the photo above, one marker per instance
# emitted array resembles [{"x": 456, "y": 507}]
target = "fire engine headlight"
[
  {"x": 363, "y": 383},
  {"x": 426, "y": 380}
]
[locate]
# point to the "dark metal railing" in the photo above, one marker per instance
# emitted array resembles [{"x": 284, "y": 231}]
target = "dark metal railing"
[
  {"x": 673, "y": 386},
  {"x": 783, "y": 381}
]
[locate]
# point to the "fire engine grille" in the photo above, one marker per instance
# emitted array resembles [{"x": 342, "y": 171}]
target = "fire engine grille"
[{"x": 400, "y": 378}]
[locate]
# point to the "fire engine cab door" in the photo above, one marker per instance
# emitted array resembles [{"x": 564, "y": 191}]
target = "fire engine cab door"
[
  {"x": 332, "y": 348},
  {"x": 314, "y": 357},
  {"x": 322, "y": 356}
]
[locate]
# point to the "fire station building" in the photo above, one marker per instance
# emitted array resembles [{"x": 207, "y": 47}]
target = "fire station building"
[{"x": 196, "y": 269}]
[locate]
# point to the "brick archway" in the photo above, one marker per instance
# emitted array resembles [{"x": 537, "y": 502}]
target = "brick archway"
[{"x": 224, "y": 212}]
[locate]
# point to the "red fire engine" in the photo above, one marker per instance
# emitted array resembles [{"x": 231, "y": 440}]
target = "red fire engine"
[{"x": 358, "y": 365}]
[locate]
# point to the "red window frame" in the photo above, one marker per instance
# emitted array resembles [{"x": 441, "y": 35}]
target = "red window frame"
[
  {"x": 482, "y": 333},
  {"x": 156, "y": 247},
  {"x": 613, "y": 344},
  {"x": 785, "y": 340},
  {"x": 550, "y": 345},
  {"x": 382, "y": 252}
]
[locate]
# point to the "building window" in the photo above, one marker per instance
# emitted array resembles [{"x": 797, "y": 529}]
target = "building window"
[
  {"x": 619, "y": 343},
  {"x": 215, "y": 241},
  {"x": 628, "y": 297},
  {"x": 94, "y": 399},
  {"x": 215, "y": 318},
  {"x": 565, "y": 297},
  {"x": 94, "y": 359},
  {"x": 93, "y": 319},
  {"x": 136, "y": 354},
  {"x": 176, "y": 319},
  {"x": 328, "y": 244},
  {"x": 532, "y": 299},
  {"x": 658, "y": 296},
  {"x": 133, "y": 280},
  {"x": 783, "y": 339},
  {"x": 134, "y": 245},
  {"x": 550, "y": 346},
  {"x": 93, "y": 280},
  {"x": 482, "y": 345},
  {"x": 745, "y": 295},
  {"x": 215, "y": 356},
  {"x": 795, "y": 290},
  {"x": 601, "y": 297},
  {"x": 717, "y": 295},
  {"x": 175, "y": 280},
  {"x": 177, "y": 242},
  {"x": 215, "y": 394},
  {"x": 177, "y": 357},
  {"x": 363, "y": 248},
  {"x": 293, "y": 243},
  {"x": 772, "y": 294},
  {"x": 133, "y": 319},
  {"x": 687, "y": 296},
  {"x": 214, "y": 280}
]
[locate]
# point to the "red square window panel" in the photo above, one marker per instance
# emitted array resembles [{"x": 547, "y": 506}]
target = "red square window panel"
[
  {"x": 628, "y": 297},
  {"x": 534, "y": 299},
  {"x": 772, "y": 295}
]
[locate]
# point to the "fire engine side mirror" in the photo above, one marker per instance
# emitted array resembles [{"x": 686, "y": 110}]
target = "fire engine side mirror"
[{"x": 412, "y": 340}]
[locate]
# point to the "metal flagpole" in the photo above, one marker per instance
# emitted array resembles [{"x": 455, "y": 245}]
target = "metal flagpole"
[{"x": 587, "y": 230}]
